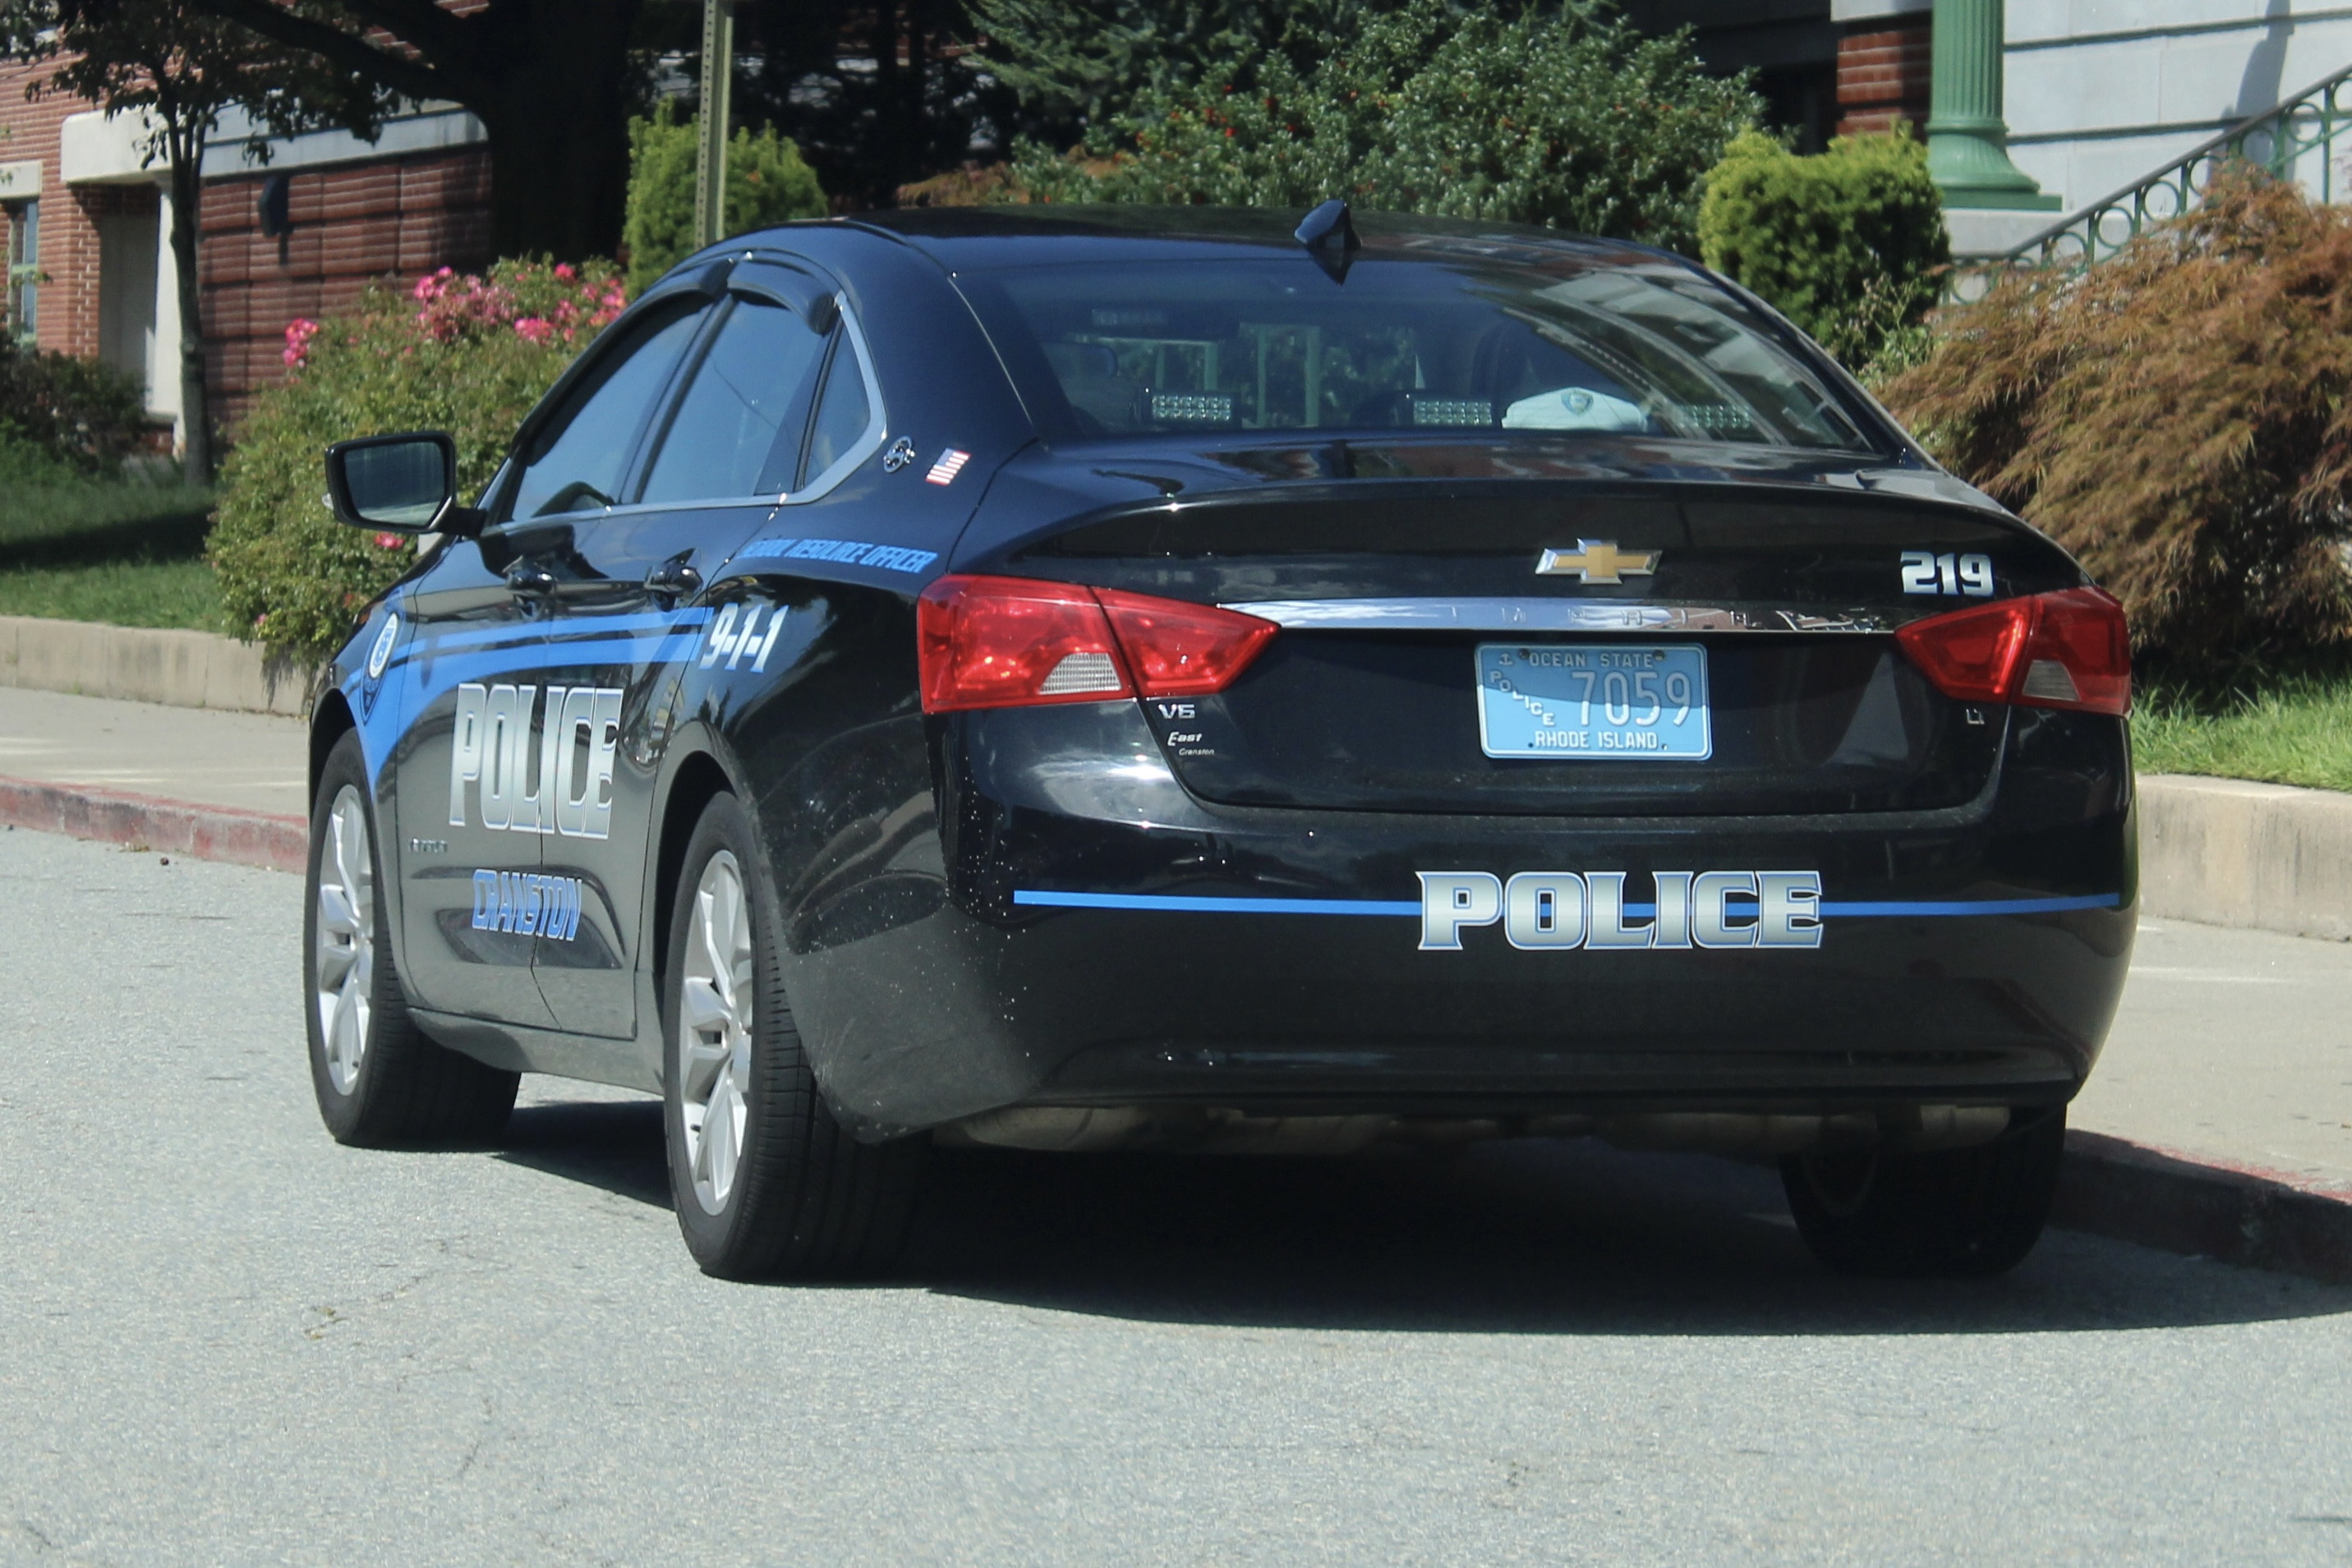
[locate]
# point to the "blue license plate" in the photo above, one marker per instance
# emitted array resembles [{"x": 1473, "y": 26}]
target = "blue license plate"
[{"x": 1639, "y": 702}]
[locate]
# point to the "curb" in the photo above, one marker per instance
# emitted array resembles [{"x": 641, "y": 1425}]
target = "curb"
[
  {"x": 2227, "y": 852},
  {"x": 146, "y": 665},
  {"x": 2232, "y": 1213},
  {"x": 203, "y": 832}
]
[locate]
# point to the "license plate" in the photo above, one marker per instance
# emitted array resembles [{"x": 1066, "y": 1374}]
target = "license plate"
[{"x": 1638, "y": 702}]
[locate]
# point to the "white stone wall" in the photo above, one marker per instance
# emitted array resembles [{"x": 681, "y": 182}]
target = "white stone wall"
[{"x": 2102, "y": 92}]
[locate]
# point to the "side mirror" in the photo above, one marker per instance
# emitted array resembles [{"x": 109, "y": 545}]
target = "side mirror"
[{"x": 404, "y": 483}]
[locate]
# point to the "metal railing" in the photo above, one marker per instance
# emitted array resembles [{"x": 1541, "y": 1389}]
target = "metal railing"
[{"x": 2294, "y": 140}]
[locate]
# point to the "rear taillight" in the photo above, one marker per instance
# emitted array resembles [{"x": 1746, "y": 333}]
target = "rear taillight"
[
  {"x": 1007, "y": 641},
  {"x": 2066, "y": 650},
  {"x": 1179, "y": 650}
]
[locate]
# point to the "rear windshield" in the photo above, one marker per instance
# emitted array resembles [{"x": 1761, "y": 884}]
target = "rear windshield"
[{"x": 1276, "y": 344}]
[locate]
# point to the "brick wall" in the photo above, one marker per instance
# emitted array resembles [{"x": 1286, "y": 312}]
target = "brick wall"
[
  {"x": 395, "y": 217},
  {"x": 68, "y": 298},
  {"x": 1882, "y": 76}
]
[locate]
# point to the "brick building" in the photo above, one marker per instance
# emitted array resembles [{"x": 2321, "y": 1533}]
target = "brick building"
[{"x": 89, "y": 225}]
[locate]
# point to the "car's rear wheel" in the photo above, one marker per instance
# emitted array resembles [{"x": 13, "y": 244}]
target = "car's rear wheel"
[
  {"x": 379, "y": 1080},
  {"x": 766, "y": 1183},
  {"x": 1941, "y": 1214}
]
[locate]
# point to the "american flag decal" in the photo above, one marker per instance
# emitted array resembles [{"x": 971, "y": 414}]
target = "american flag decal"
[{"x": 950, "y": 464}]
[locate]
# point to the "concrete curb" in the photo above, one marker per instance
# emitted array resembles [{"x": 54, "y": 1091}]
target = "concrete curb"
[
  {"x": 2227, "y": 851},
  {"x": 203, "y": 832},
  {"x": 2178, "y": 1203},
  {"x": 138, "y": 663}
]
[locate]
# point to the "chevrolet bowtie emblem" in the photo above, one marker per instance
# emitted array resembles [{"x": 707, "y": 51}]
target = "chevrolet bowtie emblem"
[{"x": 1597, "y": 561}]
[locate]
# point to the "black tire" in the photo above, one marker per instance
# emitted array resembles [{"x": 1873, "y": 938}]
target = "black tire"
[
  {"x": 800, "y": 1197},
  {"x": 404, "y": 1090},
  {"x": 1951, "y": 1214}
]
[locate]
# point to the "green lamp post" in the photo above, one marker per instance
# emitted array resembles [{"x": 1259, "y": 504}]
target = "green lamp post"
[{"x": 1968, "y": 142}]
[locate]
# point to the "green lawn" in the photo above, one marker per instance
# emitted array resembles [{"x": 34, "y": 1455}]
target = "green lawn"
[
  {"x": 126, "y": 551},
  {"x": 2283, "y": 726}
]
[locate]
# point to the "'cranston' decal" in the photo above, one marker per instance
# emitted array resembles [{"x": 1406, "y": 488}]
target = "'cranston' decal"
[
  {"x": 527, "y": 903},
  {"x": 1557, "y": 910}
]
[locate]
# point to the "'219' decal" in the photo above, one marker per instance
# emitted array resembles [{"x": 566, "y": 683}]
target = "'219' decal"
[
  {"x": 1924, "y": 572},
  {"x": 735, "y": 644}
]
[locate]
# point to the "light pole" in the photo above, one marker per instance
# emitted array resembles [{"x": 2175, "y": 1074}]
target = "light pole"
[
  {"x": 1968, "y": 141},
  {"x": 718, "y": 85}
]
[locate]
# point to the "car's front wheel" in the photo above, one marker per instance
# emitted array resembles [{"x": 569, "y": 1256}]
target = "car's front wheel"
[
  {"x": 766, "y": 1183},
  {"x": 379, "y": 1080},
  {"x": 1941, "y": 1213}
]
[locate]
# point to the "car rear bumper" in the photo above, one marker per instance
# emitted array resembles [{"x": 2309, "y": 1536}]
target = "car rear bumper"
[{"x": 1092, "y": 936}]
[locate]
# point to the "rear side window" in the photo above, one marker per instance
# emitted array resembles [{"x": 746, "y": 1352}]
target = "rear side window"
[
  {"x": 743, "y": 413},
  {"x": 1570, "y": 343},
  {"x": 841, "y": 416},
  {"x": 577, "y": 467}
]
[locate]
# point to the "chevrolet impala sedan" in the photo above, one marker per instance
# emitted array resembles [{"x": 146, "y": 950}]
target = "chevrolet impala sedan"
[{"x": 1080, "y": 679}]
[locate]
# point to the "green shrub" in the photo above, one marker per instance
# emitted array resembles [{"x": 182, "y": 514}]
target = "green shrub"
[
  {"x": 465, "y": 354},
  {"x": 1849, "y": 245},
  {"x": 61, "y": 415},
  {"x": 1559, "y": 116},
  {"x": 766, "y": 183},
  {"x": 2178, "y": 416}
]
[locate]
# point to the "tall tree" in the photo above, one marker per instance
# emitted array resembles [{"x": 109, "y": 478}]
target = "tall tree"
[
  {"x": 551, "y": 81},
  {"x": 876, "y": 93},
  {"x": 179, "y": 69}
]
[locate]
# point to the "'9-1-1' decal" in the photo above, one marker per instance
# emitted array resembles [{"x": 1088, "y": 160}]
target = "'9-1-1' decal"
[{"x": 726, "y": 641}]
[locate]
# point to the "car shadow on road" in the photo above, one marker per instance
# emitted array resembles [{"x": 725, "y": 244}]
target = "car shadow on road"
[
  {"x": 613, "y": 1145},
  {"x": 1537, "y": 1236}
]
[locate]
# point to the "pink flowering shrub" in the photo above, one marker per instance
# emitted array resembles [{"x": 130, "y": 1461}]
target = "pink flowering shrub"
[{"x": 462, "y": 352}]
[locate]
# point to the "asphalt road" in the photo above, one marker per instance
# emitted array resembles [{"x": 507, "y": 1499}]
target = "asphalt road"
[{"x": 226, "y": 1340}]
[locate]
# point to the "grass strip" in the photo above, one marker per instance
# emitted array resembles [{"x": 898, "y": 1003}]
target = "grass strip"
[
  {"x": 171, "y": 593},
  {"x": 129, "y": 552},
  {"x": 2281, "y": 723}
]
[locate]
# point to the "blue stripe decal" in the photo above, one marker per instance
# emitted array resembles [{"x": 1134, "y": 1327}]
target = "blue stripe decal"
[
  {"x": 544, "y": 659},
  {"x": 1961, "y": 907},
  {"x": 1191, "y": 905},
  {"x": 590, "y": 626},
  {"x": 1181, "y": 903}
]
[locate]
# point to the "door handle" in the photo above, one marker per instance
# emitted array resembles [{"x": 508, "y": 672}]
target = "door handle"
[
  {"x": 673, "y": 580},
  {"x": 531, "y": 578}
]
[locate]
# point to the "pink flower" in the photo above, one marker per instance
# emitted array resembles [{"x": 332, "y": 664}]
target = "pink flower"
[
  {"x": 389, "y": 541},
  {"x": 298, "y": 333},
  {"x": 533, "y": 329},
  {"x": 564, "y": 270}
]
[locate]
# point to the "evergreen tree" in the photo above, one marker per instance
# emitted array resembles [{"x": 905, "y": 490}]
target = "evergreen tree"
[{"x": 1559, "y": 115}]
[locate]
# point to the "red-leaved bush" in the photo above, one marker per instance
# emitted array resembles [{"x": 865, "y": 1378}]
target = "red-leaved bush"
[{"x": 2179, "y": 417}]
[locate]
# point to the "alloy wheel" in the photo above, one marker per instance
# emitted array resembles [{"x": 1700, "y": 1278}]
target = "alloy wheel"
[
  {"x": 715, "y": 1020},
  {"x": 343, "y": 965}
]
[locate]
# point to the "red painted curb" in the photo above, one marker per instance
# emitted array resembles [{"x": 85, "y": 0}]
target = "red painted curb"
[
  {"x": 175, "y": 827},
  {"x": 2178, "y": 1203}
]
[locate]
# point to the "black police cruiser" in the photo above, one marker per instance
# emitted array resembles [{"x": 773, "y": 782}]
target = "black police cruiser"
[{"x": 1068, "y": 678}]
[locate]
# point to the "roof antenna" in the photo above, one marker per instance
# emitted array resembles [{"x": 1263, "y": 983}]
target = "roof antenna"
[{"x": 1330, "y": 238}]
